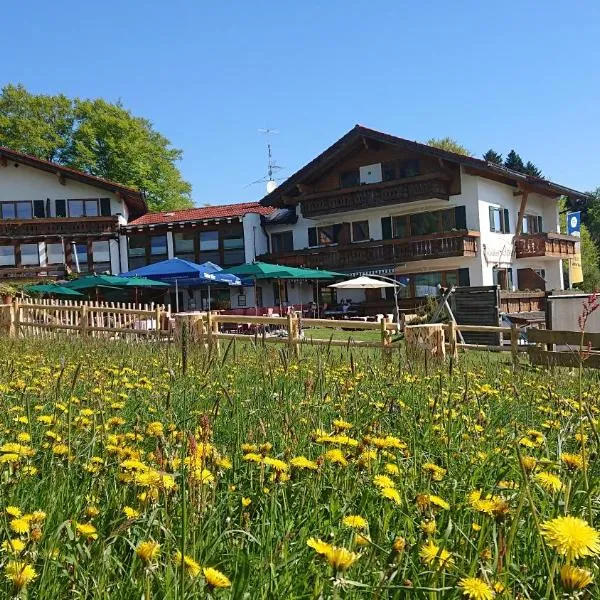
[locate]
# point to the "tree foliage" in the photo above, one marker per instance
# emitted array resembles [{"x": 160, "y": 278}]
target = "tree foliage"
[
  {"x": 590, "y": 262},
  {"x": 98, "y": 137},
  {"x": 514, "y": 161},
  {"x": 449, "y": 144},
  {"x": 492, "y": 156}
]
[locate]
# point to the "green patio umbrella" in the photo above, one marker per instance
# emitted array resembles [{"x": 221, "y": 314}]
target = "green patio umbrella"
[
  {"x": 89, "y": 282},
  {"x": 51, "y": 289}
]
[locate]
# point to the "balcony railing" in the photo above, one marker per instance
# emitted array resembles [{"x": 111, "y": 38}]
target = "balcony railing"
[
  {"x": 438, "y": 245},
  {"x": 422, "y": 187},
  {"x": 57, "y": 227},
  {"x": 555, "y": 245}
]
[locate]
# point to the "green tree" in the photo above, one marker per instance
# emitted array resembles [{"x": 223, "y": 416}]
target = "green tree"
[
  {"x": 97, "y": 137},
  {"x": 531, "y": 169},
  {"x": 514, "y": 161},
  {"x": 492, "y": 156},
  {"x": 449, "y": 144}
]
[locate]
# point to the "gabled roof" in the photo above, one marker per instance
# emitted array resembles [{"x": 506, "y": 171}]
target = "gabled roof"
[
  {"x": 133, "y": 198},
  {"x": 482, "y": 167},
  {"x": 204, "y": 213}
]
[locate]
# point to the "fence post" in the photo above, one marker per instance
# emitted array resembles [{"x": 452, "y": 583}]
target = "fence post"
[
  {"x": 292, "y": 329},
  {"x": 157, "y": 316},
  {"x": 17, "y": 320},
  {"x": 214, "y": 331},
  {"x": 83, "y": 321},
  {"x": 514, "y": 344},
  {"x": 12, "y": 320},
  {"x": 385, "y": 338},
  {"x": 452, "y": 339}
]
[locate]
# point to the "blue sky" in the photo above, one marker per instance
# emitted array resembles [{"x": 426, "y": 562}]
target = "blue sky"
[{"x": 209, "y": 75}]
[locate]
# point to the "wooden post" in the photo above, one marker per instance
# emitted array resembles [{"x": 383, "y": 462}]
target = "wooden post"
[
  {"x": 83, "y": 321},
  {"x": 215, "y": 331},
  {"x": 17, "y": 321},
  {"x": 12, "y": 316},
  {"x": 452, "y": 339},
  {"x": 514, "y": 344},
  {"x": 157, "y": 316},
  {"x": 385, "y": 338},
  {"x": 290, "y": 332}
]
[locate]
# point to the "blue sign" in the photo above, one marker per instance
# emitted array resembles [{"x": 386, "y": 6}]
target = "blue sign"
[{"x": 574, "y": 223}]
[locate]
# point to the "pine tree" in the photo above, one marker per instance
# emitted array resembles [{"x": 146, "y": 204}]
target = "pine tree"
[
  {"x": 493, "y": 157},
  {"x": 514, "y": 161},
  {"x": 531, "y": 169}
]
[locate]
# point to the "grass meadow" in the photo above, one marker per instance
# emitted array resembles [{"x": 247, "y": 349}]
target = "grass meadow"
[{"x": 255, "y": 475}]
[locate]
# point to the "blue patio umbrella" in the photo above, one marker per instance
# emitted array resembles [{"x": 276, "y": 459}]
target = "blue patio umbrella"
[{"x": 184, "y": 273}]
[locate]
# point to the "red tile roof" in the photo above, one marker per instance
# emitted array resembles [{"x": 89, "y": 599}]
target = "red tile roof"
[{"x": 204, "y": 213}]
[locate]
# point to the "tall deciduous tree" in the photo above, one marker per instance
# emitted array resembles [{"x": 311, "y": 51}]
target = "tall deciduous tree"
[
  {"x": 492, "y": 156},
  {"x": 95, "y": 136},
  {"x": 449, "y": 144}
]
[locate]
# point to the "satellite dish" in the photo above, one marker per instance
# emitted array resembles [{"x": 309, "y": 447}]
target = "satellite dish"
[{"x": 271, "y": 185}]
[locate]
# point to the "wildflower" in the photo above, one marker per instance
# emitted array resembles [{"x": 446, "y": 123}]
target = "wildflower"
[
  {"x": 428, "y": 526},
  {"x": 399, "y": 545},
  {"x": 318, "y": 545},
  {"x": 190, "y": 566},
  {"x": 426, "y": 500},
  {"x": 246, "y": 502},
  {"x": 155, "y": 428},
  {"x": 339, "y": 558},
  {"x": 148, "y": 551},
  {"x": 301, "y": 462},
  {"x": 278, "y": 465},
  {"x": 15, "y": 546},
  {"x": 341, "y": 425},
  {"x": 362, "y": 540},
  {"x": 476, "y": 589},
  {"x": 529, "y": 463},
  {"x": 13, "y": 511},
  {"x": 19, "y": 525},
  {"x": 549, "y": 482},
  {"x": 19, "y": 573},
  {"x": 383, "y": 481},
  {"x": 572, "y": 461},
  {"x": 391, "y": 494},
  {"x": 87, "y": 530},
  {"x": 391, "y": 469},
  {"x": 575, "y": 578},
  {"x": 355, "y": 522},
  {"x": 571, "y": 537},
  {"x": 253, "y": 457},
  {"x": 60, "y": 449},
  {"x": 336, "y": 457},
  {"x": 433, "y": 555},
  {"x": 215, "y": 579},
  {"x": 130, "y": 513},
  {"x": 437, "y": 473}
]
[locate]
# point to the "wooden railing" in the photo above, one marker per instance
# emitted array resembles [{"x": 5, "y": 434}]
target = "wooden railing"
[
  {"x": 69, "y": 226},
  {"x": 555, "y": 245},
  {"x": 421, "y": 187},
  {"x": 51, "y": 271},
  {"x": 438, "y": 245}
]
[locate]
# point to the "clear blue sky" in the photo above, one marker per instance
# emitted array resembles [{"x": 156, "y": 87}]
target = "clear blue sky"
[{"x": 210, "y": 74}]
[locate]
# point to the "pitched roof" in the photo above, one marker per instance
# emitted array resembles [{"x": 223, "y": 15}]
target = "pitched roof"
[
  {"x": 204, "y": 213},
  {"x": 483, "y": 167},
  {"x": 133, "y": 198}
]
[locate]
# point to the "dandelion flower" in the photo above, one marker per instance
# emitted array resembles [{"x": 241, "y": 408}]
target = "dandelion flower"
[
  {"x": 433, "y": 555},
  {"x": 572, "y": 461},
  {"x": 391, "y": 494},
  {"x": 383, "y": 481},
  {"x": 571, "y": 537},
  {"x": 246, "y": 502},
  {"x": 13, "y": 511},
  {"x": 190, "y": 566},
  {"x": 301, "y": 462},
  {"x": 399, "y": 545},
  {"x": 19, "y": 573},
  {"x": 87, "y": 530},
  {"x": 15, "y": 546},
  {"x": 336, "y": 457},
  {"x": 341, "y": 558},
  {"x": 476, "y": 589},
  {"x": 549, "y": 482},
  {"x": 318, "y": 545},
  {"x": 148, "y": 551},
  {"x": 355, "y": 522},
  {"x": 278, "y": 465},
  {"x": 575, "y": 578},
  {"x": 215, "y": 579},
  {"x": 19, "y": 525}
]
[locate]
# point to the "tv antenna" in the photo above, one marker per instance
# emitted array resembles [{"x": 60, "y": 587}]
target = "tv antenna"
[{"x": 272, "y": 166}]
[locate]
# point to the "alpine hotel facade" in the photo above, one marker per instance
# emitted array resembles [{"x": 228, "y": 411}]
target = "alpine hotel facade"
[{"x": 370, "y": 203}]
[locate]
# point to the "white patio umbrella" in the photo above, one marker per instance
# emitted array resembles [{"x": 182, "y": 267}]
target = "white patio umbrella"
[{"x": 369, "y": 283}]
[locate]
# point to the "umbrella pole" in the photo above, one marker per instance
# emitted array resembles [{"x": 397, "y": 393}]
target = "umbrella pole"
[{"x": 209, "y": 296}]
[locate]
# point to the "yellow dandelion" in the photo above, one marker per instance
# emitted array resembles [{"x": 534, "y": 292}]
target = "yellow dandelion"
[
  {"x": 383, "y": 481},
  {"x": 246, "y": 502},
  {"x": 318, "y": 545},
  {"x": 476, "y": 589},
  {"x": 399, "y": 545},
  {"x": 15, "y": 546},
  {"x": 20, "y": 525},
  {"x": 572, "y": 461},
  {"x": 190, "y": 566},
  {"x": 20, "y": 574},
  {"x": 549, "y": 482},
  {"x": 336, "y": 457},
  {"x": 148, "y": 551},
  {"x": 87, "y": 530},
  {"x": 130, "y": 513},
  {"x": 13, "y": 511},
  {"x": 215, "y": 579},
  {"x": 433, "y": 555},
  {"x": 301, "y": 462},
  {"x": 355, "y": 522},
  {"x": 391, "y": 494},
  {"x": 571, "y": 537},
  {"x": 575, "y": 578},
  {"x": 341, "y": 558}
]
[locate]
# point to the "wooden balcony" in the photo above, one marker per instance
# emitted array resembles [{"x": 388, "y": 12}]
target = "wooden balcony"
[
  {"x": 40, "y": 229},
  {"x": 438, "y": 245},
  {"x": 553, "y": 245},
  {"x": 422, "y": 187},
  {"x": 51, "y": 272}
]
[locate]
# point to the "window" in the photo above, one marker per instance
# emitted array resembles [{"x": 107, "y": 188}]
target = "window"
[
  {"x": 55, "y": 254},
  {"x": 280, "y": 292},
  {"x": 7, "y": 256},
  {"x": 80, "y": 252},
  {"x": 448, "y": 219},
  {"x": 426, "y": 283},
  {"x": 410, "y": 168},
  {"x": 158, "y": 248},
  {"x": 532, "y": 224},
  {"x": 209, "y": 247},
  {"x": 350, "y": 178},
  {"x": 499, "y": 219},
  {"x": 324, "y": 236},
  {"x": 101, "y": 256},
  {"x": 17, "y": 210},
  {"x": 503, "y": 278},
  {"x": 137, "y": 251},
  {"x": 388, "y": 171},
  {"x": 83, "y": 208},
  {"x": 30, "y": 254},
  {"x": 282, "y": 241},
  {"x": 184, "y": 246},
  {"x": 233, "y": 250},
  {"x": 360, "y": 231},
  {"x": 424, "y": 223},
  {"x": 400, "y": 227}
]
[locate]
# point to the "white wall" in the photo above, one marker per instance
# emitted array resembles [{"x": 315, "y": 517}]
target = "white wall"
[{"x": 255, "y": 239}]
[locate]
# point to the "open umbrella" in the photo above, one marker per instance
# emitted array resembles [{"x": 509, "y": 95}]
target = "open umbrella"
[{"x": 51, "y": 289}]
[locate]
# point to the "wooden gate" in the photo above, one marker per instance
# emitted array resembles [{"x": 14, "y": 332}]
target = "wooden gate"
[{"x": 477, "y": 306}]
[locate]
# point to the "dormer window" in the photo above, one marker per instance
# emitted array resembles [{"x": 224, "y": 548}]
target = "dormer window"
[{"x": 350, "y": 178}]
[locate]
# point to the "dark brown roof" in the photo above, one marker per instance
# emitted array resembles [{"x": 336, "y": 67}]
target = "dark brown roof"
[
  {"x": 133, "y": 198},
  {"x": 204, "y": 213},
  {"x": 483, "y": 168}
]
